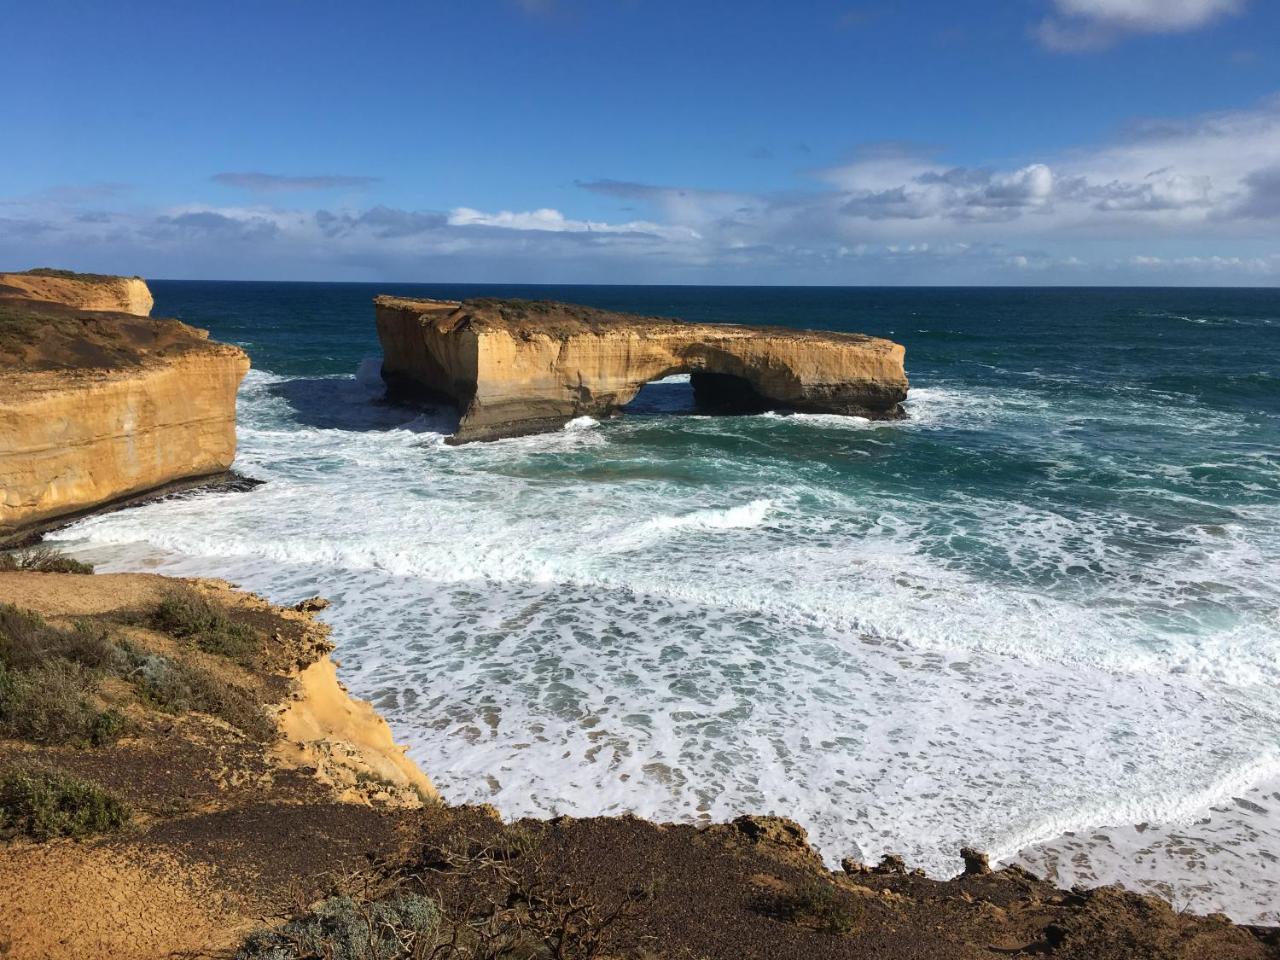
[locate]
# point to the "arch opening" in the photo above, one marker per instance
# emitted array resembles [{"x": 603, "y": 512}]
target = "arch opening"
[
  {"x": 726, "y": 393},
  {"x": 670, "y": 395},
  {"x": 696, "y": 392}
]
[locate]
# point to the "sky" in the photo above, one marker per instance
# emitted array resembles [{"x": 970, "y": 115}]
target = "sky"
[{"x": 645, "y": 141}]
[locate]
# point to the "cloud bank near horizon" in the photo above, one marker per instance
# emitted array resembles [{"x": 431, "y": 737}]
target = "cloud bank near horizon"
[{"x": 1190, "y": 201}]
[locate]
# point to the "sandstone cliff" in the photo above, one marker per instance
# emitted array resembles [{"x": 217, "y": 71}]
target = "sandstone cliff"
[
  {"x": 517, "y": 367},
  {"x": 87, "y": 291},
  {"x": 98, "y": 406}
]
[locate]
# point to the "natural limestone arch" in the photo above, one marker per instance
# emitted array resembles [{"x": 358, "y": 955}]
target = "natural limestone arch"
[{"x": 518, "y": 367}]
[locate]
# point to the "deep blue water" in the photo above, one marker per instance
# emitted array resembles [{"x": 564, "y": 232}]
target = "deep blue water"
[{"x": 1042, "y": 610}]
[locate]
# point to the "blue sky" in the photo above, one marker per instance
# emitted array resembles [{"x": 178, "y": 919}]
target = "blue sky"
[{"x": 991, "y": 141}]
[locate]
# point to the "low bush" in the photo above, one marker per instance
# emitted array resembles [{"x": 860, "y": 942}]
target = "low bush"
[
  {"x": 50, "y": 704},
  {"x": 42, "y": 560},
  {"x": 47, "y": 676},
  {"x": 43, "y": 804},
  {"x": 27, "y": 641},
  {"x": 186, "y": 615},
  {"x": 344, "y": 928},
  {"x": 71, "y": 275},
  {"x": 182, "y": 688}
]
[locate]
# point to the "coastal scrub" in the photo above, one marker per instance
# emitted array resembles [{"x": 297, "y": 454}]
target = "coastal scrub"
[
  {"x": 42, "y": 560},
  {"x": 186, "y": 615},
  {"x": 43, "y": 804}
]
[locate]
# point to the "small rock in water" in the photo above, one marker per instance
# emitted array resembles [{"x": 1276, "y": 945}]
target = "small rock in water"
[{"x": 311, "y": 604}]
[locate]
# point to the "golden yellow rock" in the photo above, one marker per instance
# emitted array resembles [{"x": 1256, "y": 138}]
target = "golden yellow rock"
[
  {"x": 98, "y": 406},
  {"x": 346, "y": 742},
  {"x": 87, "y": 291},
  {"x": 518, "y": 367}
]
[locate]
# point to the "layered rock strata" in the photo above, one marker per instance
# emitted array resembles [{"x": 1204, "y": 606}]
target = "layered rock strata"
[
  {"x": 100, "y": 406},
  {"x": 517, "y": 367},
  {"x": 87, "y": 291}
]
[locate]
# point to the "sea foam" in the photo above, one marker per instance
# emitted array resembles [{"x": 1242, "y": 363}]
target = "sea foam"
[{"x": 907, "y": 636}]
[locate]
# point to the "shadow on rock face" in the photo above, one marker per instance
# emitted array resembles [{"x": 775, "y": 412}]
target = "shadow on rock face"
[{"x": 335, "y": 403}]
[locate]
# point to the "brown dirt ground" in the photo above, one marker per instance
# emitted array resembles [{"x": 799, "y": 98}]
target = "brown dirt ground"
[
  {"x": 226, "y": 839},
  {"x": 36, "y": 335}
]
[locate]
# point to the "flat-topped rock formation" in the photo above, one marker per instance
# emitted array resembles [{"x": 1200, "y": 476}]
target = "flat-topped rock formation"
[
  {"x": 87, "y": 291},
  {"x": 515, "y": 367},
  {"x": 98, "y": 406}
]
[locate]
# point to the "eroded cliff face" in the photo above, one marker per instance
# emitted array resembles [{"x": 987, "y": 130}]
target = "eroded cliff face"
[
  {"x": 85, "y": 291},
  {"x": 97, "y": 407},
  {"x": 518, "y": 367}
]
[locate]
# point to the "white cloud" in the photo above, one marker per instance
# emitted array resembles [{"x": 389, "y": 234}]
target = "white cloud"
[
  {"x": 959, "y": 193},
  {"x": 1260, "y": 267},
  {"x": 1155, "y": 15},
  {"x": 1169, "y": 202},
  {"x": 1092, "y": 24},
  {"x": 556, "y": 222}
]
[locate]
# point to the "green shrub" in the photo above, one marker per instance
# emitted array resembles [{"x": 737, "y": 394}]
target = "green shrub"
[
  {"x": 186, "y": 615},
  {"x": 343, "y": 928},
  {"x": 71, "y": 275},
  {"x": 182, "y": 688},
  {"x": 42, "y": 560},
  {"x": 27, "y": 641},
  {"x": 45, "y": 803},
  {"x": 49, "y": 704}
]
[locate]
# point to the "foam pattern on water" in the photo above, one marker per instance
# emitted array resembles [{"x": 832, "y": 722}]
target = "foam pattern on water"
[{"x": 903, "y": 635}]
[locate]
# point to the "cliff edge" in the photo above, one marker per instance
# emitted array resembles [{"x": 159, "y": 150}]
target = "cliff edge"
[
  {"x": 87, "y": 291},
  {"x": 514, "y": 367},
  {"x": 179, "y": 769},
  {"x": 100, "y": 405}
]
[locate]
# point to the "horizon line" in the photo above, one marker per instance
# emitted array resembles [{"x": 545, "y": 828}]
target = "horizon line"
[{"x": 748, "y": 286}]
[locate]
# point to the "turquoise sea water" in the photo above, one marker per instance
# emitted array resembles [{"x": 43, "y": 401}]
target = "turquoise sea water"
[{"x": 1041, "y": 616}]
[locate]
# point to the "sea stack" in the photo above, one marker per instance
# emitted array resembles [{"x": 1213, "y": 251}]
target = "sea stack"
[
  {"x": 515, "y": 367},
  {"x": 99, "y": 402}
]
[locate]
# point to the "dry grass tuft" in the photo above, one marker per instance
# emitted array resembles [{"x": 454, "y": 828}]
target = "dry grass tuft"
[{"x": 42, "y": 560}]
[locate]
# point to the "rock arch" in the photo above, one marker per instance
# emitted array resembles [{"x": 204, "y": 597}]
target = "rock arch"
[{"x": 514, "y": 367}]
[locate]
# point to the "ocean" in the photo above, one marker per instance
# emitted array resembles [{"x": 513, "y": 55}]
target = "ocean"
[{"x": 1040, "y": 616}]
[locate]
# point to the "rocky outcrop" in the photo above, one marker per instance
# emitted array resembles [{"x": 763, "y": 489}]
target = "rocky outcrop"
[
  {"x": 96, "y": 407},
  {"x": 86, "y": 291},
  {"x": 347, "y": 743},
  {"x": 517, "y": 367}
]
